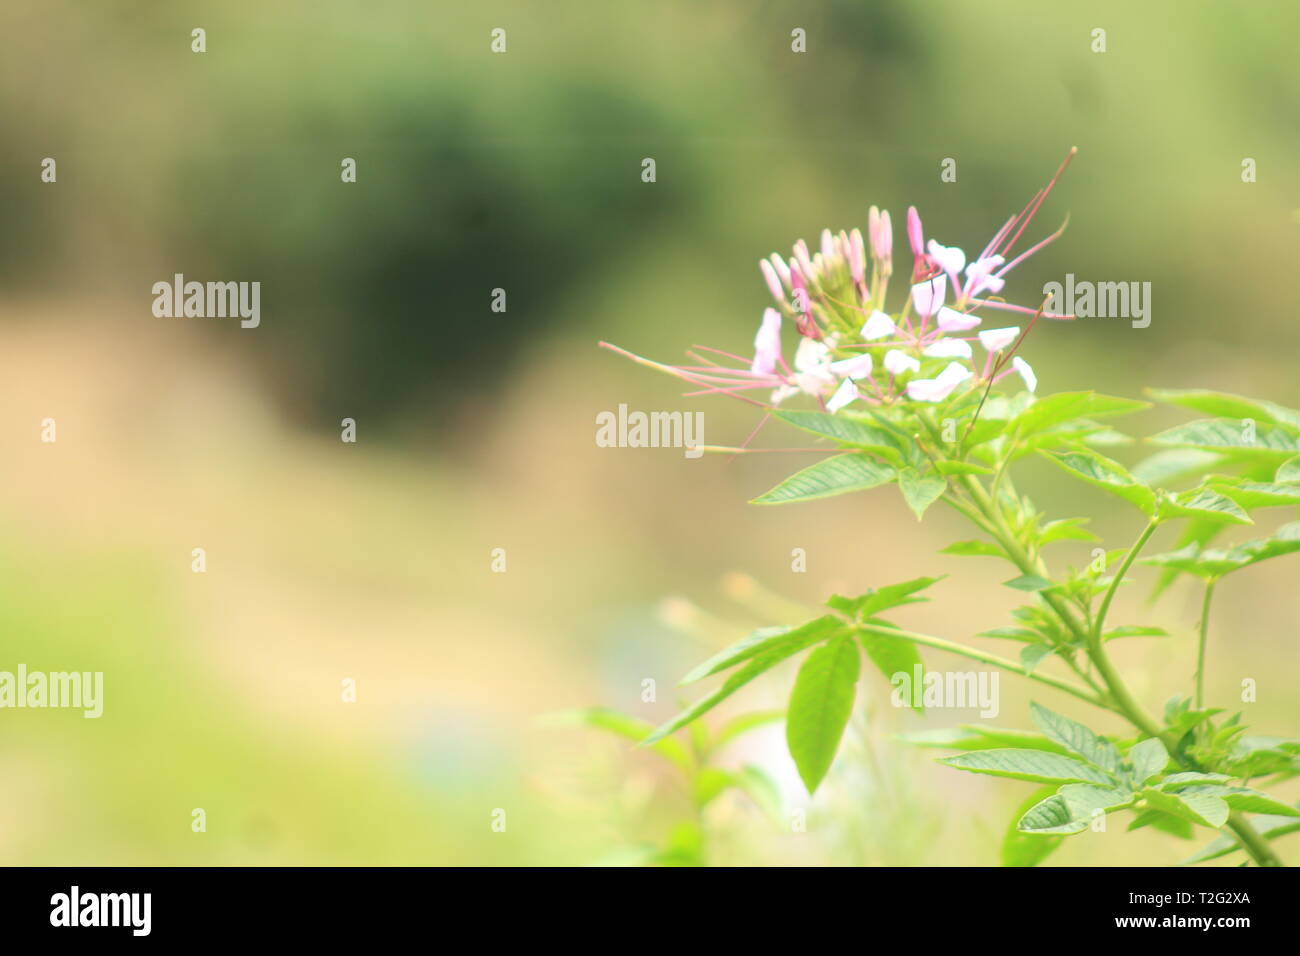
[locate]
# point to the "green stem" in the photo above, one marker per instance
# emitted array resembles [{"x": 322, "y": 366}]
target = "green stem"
[
  {"x": 1200, "y": 648},
  {"x": 1115, "y": 582},
  {"x": 1252, "y": 842},
  {"x": 989, "y": 518},
  {"x": 984, "y": 657}
]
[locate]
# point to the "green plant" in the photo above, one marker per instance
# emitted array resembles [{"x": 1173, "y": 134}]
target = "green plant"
[{"x": 942, "y": 431}]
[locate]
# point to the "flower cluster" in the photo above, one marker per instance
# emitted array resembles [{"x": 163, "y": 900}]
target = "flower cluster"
[{"x": 851, "y": 348}]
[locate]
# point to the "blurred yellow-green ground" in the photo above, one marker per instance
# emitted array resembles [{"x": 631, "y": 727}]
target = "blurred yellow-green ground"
[{"x": 371, "y": 561}]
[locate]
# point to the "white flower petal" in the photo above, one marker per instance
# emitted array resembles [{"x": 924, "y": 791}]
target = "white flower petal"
[
  {"x": 950, "y": 320},
  {"x": 995, "y": 340},
  {"x": 878, "y": 326},
  {"x": 859, "y": 366},
  {"x": 951, "y": 258},
  {"x": 1027, "y": 373},
  {"x": 846, "y": 393},
  {"x": 810, "y": 355},
  {"x": 928, "y": 296},
  {"x": 948, "y": 348},
  {"x": 898, "y": 362}
]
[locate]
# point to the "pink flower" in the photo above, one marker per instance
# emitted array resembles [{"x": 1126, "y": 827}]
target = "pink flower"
[
  {"x": 772, "y": 279},
  {"x": 767, "y": 344},
  {"x": 915, "y": 237}
]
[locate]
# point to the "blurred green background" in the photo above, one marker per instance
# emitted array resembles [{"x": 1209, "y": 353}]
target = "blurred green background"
[{"x": 475, "y": 429}]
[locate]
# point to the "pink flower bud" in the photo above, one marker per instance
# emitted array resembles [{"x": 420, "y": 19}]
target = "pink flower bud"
[
  {"x": 914, "y": 234},
  {"x": 772, "y": 279}
]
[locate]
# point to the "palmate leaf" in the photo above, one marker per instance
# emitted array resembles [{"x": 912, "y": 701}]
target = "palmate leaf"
[
  {"x": 1240, "y": 798},
  {"x": 756, "y": 665},
  {"x": 820, "y": 705},
  {"x": 836, "y": 475},
  {"x": 1077, "y": 738},
  {"x": 847, "y": 430},
  {"x": 1073, "y": 808},
  {"x": 1036, "y": 765},
  {"x": 1229, "y": 435},
  {"x": 1106, "y": 474}
]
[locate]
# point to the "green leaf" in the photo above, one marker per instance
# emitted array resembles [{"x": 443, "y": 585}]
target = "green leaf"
[
  {"x": 1036, "y": 765},
  {"x": 830, "y": 476},
  {"x": 1066, "y": 529},
  {"x": 1028, "y": 582},
  {"x": 1225, "y": 405},
  {"x": 1031, "y": 655},
  {"x": 737, "y": 679},
  {"x": 1216, "y": 562},
  {"x": 1073, "y": 808},
  {"x": 1202, "y": 809},
  {"x": 1164, "y": 822},
  {"x": 1256, "y": 494},
  {"x": 1109, "y": 475},
  {"x": 1076, "y": 738},
  {"x": 820, "y": 705},
  {"x": 894, "y": 655},
  {"x": 1148, "y": 758},
  {"x": 882, "y": 599},
  {"x": 743, "y": 724},
  {"x": 1288, "y": 471},
  {"x": 1242, "y": 798},
  {"x": 1027, "y": 849},
  {"x": 1207, "y": 503},
  {"x": 762, "y": 640},
  {"x": 920, "y": 491},
  {"x": 1269, "y": 827},
  {"x": 1188, "y": 778},
  {"x": 1012, "y": 634},
  {"x": 976, "y": 737},
  {"x": 627, "y": 727},
  {"x": 1067, "y": 406},
  {"x": 1171, "y": 464},
  {"x": 974, "y": 549},
  {"x": 1134, "y": 630},
  {"x": 1228, "y": 434},
  {"x": 848, "y": 430}
]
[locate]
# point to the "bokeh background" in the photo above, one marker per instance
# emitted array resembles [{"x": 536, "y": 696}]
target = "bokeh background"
[{"x": 371, "y": 561}]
